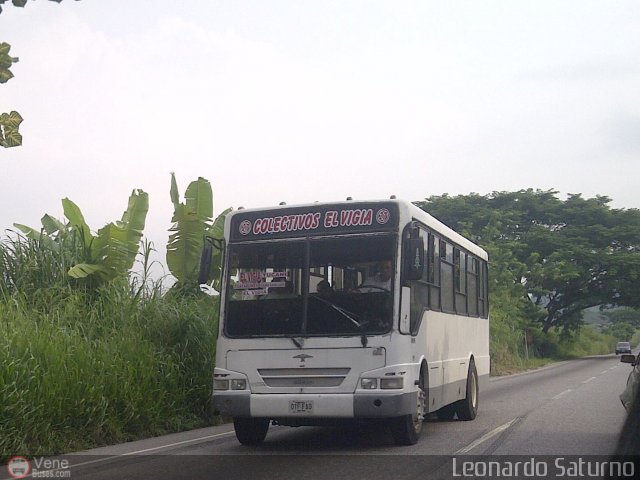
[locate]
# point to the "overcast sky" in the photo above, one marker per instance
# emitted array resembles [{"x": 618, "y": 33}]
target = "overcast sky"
[{"x": 300, "y": 101}]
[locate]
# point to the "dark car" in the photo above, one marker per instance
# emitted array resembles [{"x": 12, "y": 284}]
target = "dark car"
[{"x": 623, "y": 347}]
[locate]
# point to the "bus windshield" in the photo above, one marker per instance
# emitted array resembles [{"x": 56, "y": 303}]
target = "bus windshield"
[{"x": 338, "y": 286}]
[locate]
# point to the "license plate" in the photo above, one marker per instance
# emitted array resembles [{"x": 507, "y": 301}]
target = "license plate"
[{"x": 296, "y": 406}]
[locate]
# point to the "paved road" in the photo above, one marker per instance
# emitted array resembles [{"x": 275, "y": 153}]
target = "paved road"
[{"x": 569, "y": 408}]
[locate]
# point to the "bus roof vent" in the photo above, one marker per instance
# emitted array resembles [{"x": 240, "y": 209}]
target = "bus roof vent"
[
  {"x": 240, "y": 208},
  {"x": 349, "y": 198},
  {"x": 392, "y": 197},
  {"x": 282, "y": 203}
]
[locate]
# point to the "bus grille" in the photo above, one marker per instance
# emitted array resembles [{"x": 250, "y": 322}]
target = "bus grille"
[{"x": 307, "y": 377}]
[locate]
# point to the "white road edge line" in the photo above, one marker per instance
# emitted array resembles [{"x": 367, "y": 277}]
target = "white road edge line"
[
  {"x": 486, "y": 437},
  {"x": 602, "y": 373},
  {"x": 589, "y": 379},
  {"x": 562, "y": 393}
]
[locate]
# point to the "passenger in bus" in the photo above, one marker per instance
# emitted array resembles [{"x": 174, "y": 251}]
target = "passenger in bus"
[
  {"x": 324, "y": 288},
  {"x": 380, "y": 280}
]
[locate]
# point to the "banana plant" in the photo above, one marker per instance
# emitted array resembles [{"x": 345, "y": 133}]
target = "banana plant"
[
  {"x": 191, "y": 220},
  {"x": 112, "y": 252},
  {"x": 108, "y": 254}
]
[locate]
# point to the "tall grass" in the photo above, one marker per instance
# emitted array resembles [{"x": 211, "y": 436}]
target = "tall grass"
[{"x": 81, "y": 367}]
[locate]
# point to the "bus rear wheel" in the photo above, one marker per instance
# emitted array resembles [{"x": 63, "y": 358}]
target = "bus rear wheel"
[
  {"x": 406, "y": 430},
  {"x": 467, "y": 409},
  {"x": 251, "y": 431}
]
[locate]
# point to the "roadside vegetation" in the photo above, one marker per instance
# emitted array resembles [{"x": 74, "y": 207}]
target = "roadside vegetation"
[
  {"x": 94, "y": 351},
  {"x": 550, "y": 261}
]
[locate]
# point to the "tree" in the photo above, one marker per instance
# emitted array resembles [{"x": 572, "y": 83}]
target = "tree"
[{"x": 568, "y": 255}]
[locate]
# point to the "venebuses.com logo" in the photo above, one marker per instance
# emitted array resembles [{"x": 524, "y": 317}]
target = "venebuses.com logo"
[{"x": 20, "y": 467}]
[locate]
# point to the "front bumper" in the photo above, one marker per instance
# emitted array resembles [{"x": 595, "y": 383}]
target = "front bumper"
[{"x": 358, "y": 405}]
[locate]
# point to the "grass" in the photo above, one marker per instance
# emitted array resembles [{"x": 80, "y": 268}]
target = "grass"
[{"x": 97, "y": 372}]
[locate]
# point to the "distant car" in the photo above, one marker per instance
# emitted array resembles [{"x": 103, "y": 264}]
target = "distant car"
[
  {"x": 633, "y": 381},
  {"x": 623, "y": 347}
]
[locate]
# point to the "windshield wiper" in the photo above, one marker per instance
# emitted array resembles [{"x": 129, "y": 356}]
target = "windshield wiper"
[{"x": 346, "y": 313}]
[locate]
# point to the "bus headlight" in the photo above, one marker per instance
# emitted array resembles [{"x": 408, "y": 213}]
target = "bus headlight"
[
  {"x": 238, "y": 384},
  {"x": 391, "y": 383},
  {"x": 369, "y": 383},
  {"x": 219, "y": 384}
]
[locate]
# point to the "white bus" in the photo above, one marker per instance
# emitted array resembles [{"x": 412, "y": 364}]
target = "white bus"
[{"x": 369, "y": 310}]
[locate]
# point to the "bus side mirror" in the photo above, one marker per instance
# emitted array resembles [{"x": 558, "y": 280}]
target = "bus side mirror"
[
  {"x": 414, "y": 258},
  {"x": 206, "y": 259},
  {"x": 207, "y": 270}
]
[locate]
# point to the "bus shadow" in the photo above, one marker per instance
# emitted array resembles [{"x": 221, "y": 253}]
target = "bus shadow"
[
  {"x": 350, "y": 438},
  {"x": 347, "y": 439}
]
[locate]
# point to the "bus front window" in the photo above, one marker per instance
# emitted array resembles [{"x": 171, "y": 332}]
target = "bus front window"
[{"x": 346, "y": 285}]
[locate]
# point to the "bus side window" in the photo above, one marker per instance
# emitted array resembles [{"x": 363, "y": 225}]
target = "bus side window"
[
  {"x": 460, "y": 274},
  {"x": 483, "y": 308},
  {"x": 420, "y": 290},
  {"x": 473, "y": 286},
  {"x": 434, "y": 272},
  {"x": 446, "y": 276}
]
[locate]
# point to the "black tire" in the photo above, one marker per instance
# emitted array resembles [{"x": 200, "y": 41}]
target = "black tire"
[
  {"x": 447, "y": 412},
  {"x": 406, "y": 430},
  {"x": 467, "y": 409},
  {"x": 251, "y": 431}
]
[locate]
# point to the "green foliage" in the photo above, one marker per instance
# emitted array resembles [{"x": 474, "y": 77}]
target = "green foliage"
[
  {"x": 191, "y": 220},
  {"x": 79, "y": 370},
  {"x": 105, "y": 256},
  {"x": 6, "y": 61},
  {"x": 565, "y": 256},
  {"x": 85, "y": 362},
  {"x": 9, "y": 129},
  {"x": 9, "y": 122},
  {"x": 630, "y": 316},
  {"x": 37, "y": 262},
  {"x": 621, "y": 331}
]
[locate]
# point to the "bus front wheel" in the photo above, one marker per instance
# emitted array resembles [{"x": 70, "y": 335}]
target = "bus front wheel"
[
  {"x": 406, "y": 430},
  {"x": 251, "y": 431},
  {"x": 467, "y": 408}
]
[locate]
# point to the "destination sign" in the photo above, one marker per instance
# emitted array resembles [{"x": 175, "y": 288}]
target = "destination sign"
[{"x": 320, "y": 220}]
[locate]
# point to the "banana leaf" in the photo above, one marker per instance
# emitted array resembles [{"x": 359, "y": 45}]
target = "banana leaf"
[{"x": 190, "y": 222}]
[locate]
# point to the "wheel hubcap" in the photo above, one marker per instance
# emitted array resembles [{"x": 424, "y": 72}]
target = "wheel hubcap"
[
  {"x": 474, "y": 391},
  {"x": 420, "y": 410}
]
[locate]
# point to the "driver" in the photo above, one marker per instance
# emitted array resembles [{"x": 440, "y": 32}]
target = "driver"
[{"x": 381, "y": 280}]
